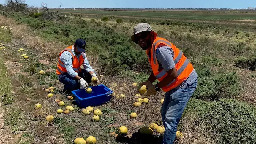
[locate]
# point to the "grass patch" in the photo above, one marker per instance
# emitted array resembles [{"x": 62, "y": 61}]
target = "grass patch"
[
  {"x": 5, "y": 82},
  {"x": 14, "y": 119},
  {"x": 26, "y": 138},
  {"x": 5, "y": 35},
  {"x": 66, "y": 128}
]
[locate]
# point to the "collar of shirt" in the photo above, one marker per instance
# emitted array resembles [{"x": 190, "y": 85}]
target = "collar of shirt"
[{"x": 73, "y": 52}]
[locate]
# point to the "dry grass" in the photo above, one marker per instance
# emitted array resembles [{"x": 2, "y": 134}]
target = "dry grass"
[
  {"x": 248, "y": 83},
  {"x": 193, "y": 132},
  {"x": 25, "y": 36}
]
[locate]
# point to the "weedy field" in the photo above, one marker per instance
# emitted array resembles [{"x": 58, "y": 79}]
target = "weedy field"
[{"x": 221, "y": 45}]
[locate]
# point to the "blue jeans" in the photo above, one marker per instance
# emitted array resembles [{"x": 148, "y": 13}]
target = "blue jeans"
[
  {"x": 70, "y": 83},
  {"x": 174, "y": 104}
]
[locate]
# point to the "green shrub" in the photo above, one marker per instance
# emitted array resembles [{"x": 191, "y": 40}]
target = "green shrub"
[
  {"x": 105, "y": 19},
  {"x": 93, "y": 20},
  {"x": 213, "y": 87},
  {"x": 36, "y": 14},
  {"x": 5, "y": 84},
  {"x": 122, "y": 57},
  {"x": 212, "y": 60},
  {"x": 135, "y": 76},
  {"x": 143, "y": 21},
  {"x": 226, "y": 121},
  {"x": 239, "y": 48},
  {"x": 119, "y": 20}
]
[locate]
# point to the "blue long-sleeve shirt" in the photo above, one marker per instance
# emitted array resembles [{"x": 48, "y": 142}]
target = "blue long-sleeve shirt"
[{"x": 66, "y": 58}]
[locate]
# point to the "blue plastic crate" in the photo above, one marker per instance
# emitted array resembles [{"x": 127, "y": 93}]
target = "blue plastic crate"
[{"x": 100, "y": 94}]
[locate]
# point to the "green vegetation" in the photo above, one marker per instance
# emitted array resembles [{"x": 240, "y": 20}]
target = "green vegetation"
[
  {"x": 104, "y": 19},
  {"x": 225, "y": 121},
  {"x": 5, "y": 83},
  {"x": 217, "y": 86},
  {"x": 66, "y": 128},
  {"x": 14, "y": 119},
  {"x": 181, "y": 15},
  {"x": 119, "y": 20}
]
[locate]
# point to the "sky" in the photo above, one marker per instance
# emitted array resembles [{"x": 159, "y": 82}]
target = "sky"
[{"x": 234, "y": 4}]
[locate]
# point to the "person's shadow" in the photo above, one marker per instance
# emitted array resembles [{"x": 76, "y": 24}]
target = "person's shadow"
[{"x": 138, "y": 138}]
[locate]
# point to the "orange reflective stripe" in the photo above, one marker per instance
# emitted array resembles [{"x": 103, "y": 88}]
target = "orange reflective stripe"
[
  {"x": 182, "y": 68},
  {"x": 60, "y": 70},
  {"x": 155, "y": 45}
]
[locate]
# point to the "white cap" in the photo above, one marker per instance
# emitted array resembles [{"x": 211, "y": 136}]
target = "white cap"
[{"x": 141, "y": 27}]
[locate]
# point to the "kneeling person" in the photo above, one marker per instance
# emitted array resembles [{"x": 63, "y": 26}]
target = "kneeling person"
[{"x": 69, "y": 67}]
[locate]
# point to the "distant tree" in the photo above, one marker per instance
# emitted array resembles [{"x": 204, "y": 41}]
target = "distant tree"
[
  {"x": 17, "y": 5},
  {"x": 15, "y": 1}
]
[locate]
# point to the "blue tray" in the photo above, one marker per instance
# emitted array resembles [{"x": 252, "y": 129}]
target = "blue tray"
[{"x": 100, "y": 94}]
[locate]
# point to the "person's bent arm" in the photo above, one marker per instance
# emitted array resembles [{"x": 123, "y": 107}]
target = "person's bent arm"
[
  {"x": 87, "y": 66},
  {"x": 165, "y": 58}
]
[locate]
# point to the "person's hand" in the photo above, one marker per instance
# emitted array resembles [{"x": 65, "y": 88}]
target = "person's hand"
[
  {"x": 151, "y": 90},
  {"x": 147, "y": 83},
  {"x": 83, "y": 84},
  {"x": 95, "y": 80},
  {"x": 150, "y": 87}
]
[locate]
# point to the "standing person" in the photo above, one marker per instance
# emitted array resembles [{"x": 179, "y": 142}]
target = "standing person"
[
  {"x": 69, "y": 67},
  {"x": 174, "y": 72}
]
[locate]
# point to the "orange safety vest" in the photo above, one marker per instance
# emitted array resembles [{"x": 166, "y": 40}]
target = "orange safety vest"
[
  {"x": 76, "y": 63},
  {"x": 182, "y": 64}
]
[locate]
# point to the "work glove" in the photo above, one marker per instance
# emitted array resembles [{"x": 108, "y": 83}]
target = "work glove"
[{"x": 83, "y": 84}]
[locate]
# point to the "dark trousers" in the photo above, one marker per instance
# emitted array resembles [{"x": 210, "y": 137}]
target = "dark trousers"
[{"x": 70, "y": 83}]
